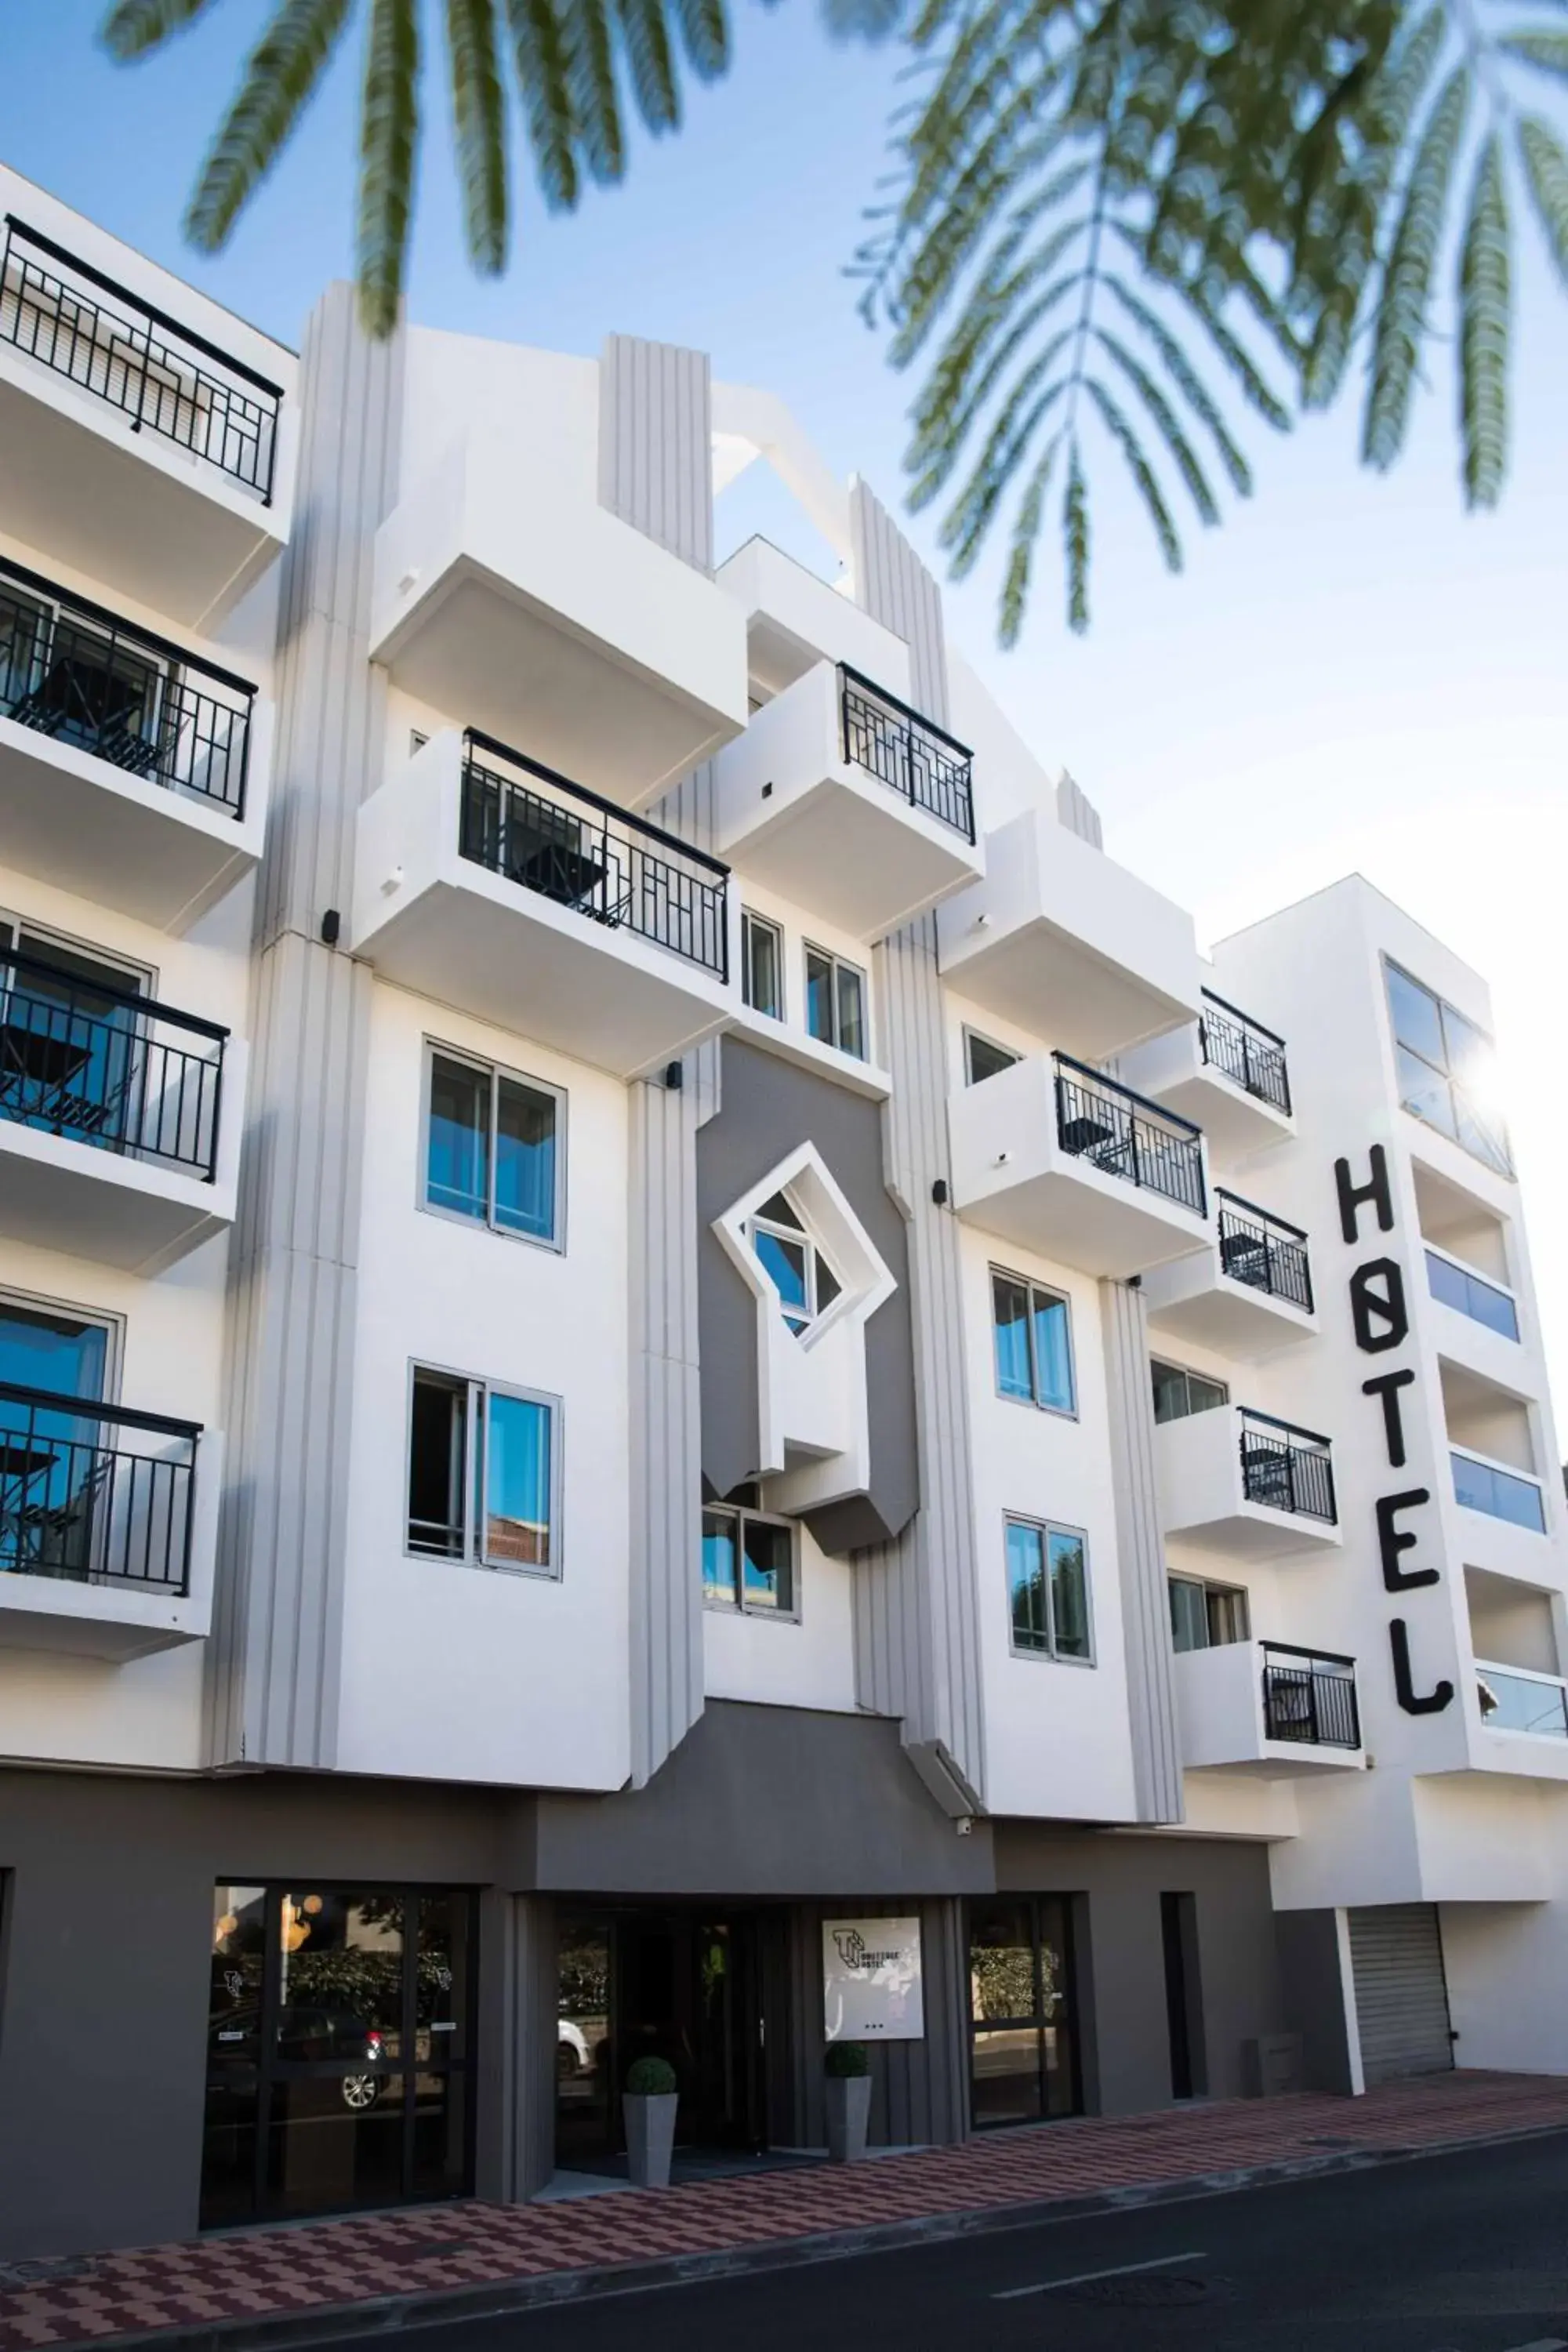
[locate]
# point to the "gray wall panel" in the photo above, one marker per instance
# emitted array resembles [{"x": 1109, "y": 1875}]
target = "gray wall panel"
[
  {"x": 274, "y": 1661},
  {"x": 655, "y": 473},
  {"x": 917, "y": 1621},
  {"x": 1309, "y": 1946},
  {"x": 1141, "y": 1551}
]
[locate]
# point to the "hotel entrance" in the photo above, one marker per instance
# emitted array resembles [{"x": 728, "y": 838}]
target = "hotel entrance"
[{"x": 685, "y": 1986}]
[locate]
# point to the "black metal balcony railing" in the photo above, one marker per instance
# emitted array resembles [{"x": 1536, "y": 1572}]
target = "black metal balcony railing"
[
  {"x": 1287, "y": 1468},
  {"x": 1310, "y": 1696},
  {"x": 166, "y": 379},
  {"x": 107, "y": 1067},
  {"x": 80, "y": 675},
  {"x": 1099, "y": 1120},
  {"x": 93, "y": 1492},
  {"x": 931, "y": 769},
  {"x": 1261, "y": 1250},
  {"x": 584, "y": 853},
  {"x": 1244, "y": 1051}
]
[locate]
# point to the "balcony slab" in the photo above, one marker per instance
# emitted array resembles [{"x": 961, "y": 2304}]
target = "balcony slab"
[
  {"x": 111, "y": 1618},
  {"x": 1222, "y": 1726},
  {"x": 1198, "y": 1476},
  {"x": 440, "y": 923},
  {"x": 1193, "y": 1299}
]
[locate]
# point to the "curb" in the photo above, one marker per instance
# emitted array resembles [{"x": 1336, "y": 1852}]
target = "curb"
[{"x": 448, "y": 2306}]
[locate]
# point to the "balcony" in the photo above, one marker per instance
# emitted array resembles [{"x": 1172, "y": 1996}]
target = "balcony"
[
  {"x": 107, "y": 1531},
  {"x": 1068, "y": 945},
  {"x": 1227, "y": 1072},
  {"x": 490, "y": 883},
  {"x": 1244, "y": 1484},
  {"x": 1066, "y": 1162},
  {"x": 1248, "y": 1292},
  {"x": 118, "y": 1119},
  {"x": 125, "y": 762},
  {"x": 1470, "y": 1294},
  {"x": 842, "y": 799},
  {"x": 1268, "y": 1709},
  {"x": 1502, "y": 1515},
  {"x": 1517, "y": 1699},
  {"x": 133, "y": 447},
  {"x": 504, "y": 591}
]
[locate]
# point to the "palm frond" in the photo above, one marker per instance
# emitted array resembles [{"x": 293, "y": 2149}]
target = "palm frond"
[
  {"x": 1186, "y": 376},
  {"x": 1021, "y": 552},
  {"x": 389, "y": 133},
  {"x": 1547, "y": 52},
  {"x": 590, "y": 60},
  {"x": 1142, "y": 473},
  {"x": 644, "y": 36},
  {"x": 1074, "y": 544},
  {"x": 1401, "y": 322},
  {"x": 538, "y": 57},
  {"x": 1484, "y": 287},
  {"x": 1166, "y": 420},
  {"x": 280, "y": 76},
  {"x": 478, "y": 123},
  {"x": 1545, "y": 160},
  {"x": 704, "y": 35},
  {"x": 133, "y": 26}
]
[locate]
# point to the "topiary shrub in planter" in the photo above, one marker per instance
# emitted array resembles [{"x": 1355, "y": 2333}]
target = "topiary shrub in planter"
[
  {"x": 847, "y": 2067},
  {"x": 649, "y": 2107}
]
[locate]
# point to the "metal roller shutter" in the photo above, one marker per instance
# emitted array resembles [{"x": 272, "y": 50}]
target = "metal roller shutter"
[{"x": 1401, "y": 1993}]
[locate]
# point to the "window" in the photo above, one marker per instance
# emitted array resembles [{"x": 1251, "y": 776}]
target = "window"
[
  {"x": 748, "y": 1563},
  {"x": 1047, "y": 1589},
  {"x": 1206, "y": 1616},
  {"x": 482, "y": 1473},
  {"x": 492, "y": 1149},
  {"x": 1456, "y": 1286},
  {"x": 805, "y": 1283},
  {"x": 835, "y": 1004},
  {"x": 1480, "y": 1487},
  {"x": 1023, "y": 2046},
  {"x": 1033, "y": 1343},
  {"x": 1444, "y": 1068},
  {"x": 761, "y": 965},
  {"x": 983, "y": 1060},
  {"x": 1178, "y": 1393}
]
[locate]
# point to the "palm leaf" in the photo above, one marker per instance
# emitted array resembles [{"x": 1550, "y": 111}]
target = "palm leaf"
[
  {"x": 705, "y": 36},
  {"x": 1142, "y": 473},
  {"x": 1484, "y": 276},
  {"x": 478, "y": 120},
  {"x": 1074, "y": 544},
  {"x": 280, "y": 76},
  {"x": 1166, "y": 422},
  {"x": 1401, "y": 321},
  {"x": 134, "y": 26},
  {"x": 1192, "y": 384},
  {"x": 1021, "y": 552},
  {"x": 590, "y": 61},
  {"x": 645, "y": 34},
  {"x": 389, "y": 133},
  {"x": 1548, "y": 52},
  {"x": 1546, "y": 175},
  {"x": 539, "y": 56},
  {"x": 963, "y": 528}
]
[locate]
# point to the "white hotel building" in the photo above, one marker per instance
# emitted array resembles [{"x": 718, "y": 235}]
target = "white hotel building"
[{"x": 657, "y": 1334}]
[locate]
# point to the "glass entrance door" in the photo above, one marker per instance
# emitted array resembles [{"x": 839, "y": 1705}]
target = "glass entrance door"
[
  {"x": 340, "y": 2058},
  {"x": 1023, "y": 2056}
]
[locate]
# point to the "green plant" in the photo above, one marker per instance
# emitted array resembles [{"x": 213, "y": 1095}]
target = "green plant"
[
  {"x": 846, "y": 2061},
  {"x": 1119, "y": 223},
  {"x": 650, "y": 2078},
  {"x": 580, "y": 68}
]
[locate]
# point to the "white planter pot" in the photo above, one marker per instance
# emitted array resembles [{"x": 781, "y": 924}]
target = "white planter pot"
[
  {"x": 650, "y": 2138},
  {"x": 848, "y": 2112}
]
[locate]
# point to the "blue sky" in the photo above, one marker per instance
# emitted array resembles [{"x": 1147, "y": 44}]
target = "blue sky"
[{"x": 1351, "y": 673}]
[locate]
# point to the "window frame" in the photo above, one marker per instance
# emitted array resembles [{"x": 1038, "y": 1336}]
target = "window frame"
[
  {"x": 1045, "y": 1529},
  {"x": 555, "y": 1241},
  {"x": 1189, "y": 1372},
  {"x": 1035, "y": 1401},
  {"x": 479, "y": 1391},
  {"x": 751, "y": 919},
  {"x": 837, "y": 963},
  {"x": 740, "y": 1513},
  {"x": 802, "y": 1236},
  {"x": 1211, "y": 1588},
  {"x": 31, "y": 1302},
  {"x": 972, "y": 1037},
  {"x": 1500, "y": 1158}
]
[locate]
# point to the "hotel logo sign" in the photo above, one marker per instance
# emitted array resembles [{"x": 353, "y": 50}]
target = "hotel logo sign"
[{"x": 872, "y": 1988}]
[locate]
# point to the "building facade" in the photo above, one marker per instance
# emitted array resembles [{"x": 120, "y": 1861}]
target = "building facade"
[{"x": 674, "y": 1377}]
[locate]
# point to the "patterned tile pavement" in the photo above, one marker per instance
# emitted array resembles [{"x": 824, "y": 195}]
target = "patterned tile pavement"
[{"x": 250, "y": 2274}]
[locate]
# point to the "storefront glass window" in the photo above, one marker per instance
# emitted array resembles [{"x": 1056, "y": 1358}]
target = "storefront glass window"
[{"x": 1024, "y": 2061}]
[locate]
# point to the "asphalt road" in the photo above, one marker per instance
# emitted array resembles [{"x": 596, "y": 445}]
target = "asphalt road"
[{"x": 1457, "y": 2253}]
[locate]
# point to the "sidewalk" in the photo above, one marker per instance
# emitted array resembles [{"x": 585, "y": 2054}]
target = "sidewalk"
[{"x": 351, "y": 2272}]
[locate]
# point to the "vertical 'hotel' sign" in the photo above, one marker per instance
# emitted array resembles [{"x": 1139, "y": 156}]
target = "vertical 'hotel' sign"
[{"x": 1381, "y": 1321}]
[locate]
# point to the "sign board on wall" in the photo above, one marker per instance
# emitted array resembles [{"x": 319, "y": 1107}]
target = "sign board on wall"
[{"x": 871, "y": 1980}]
